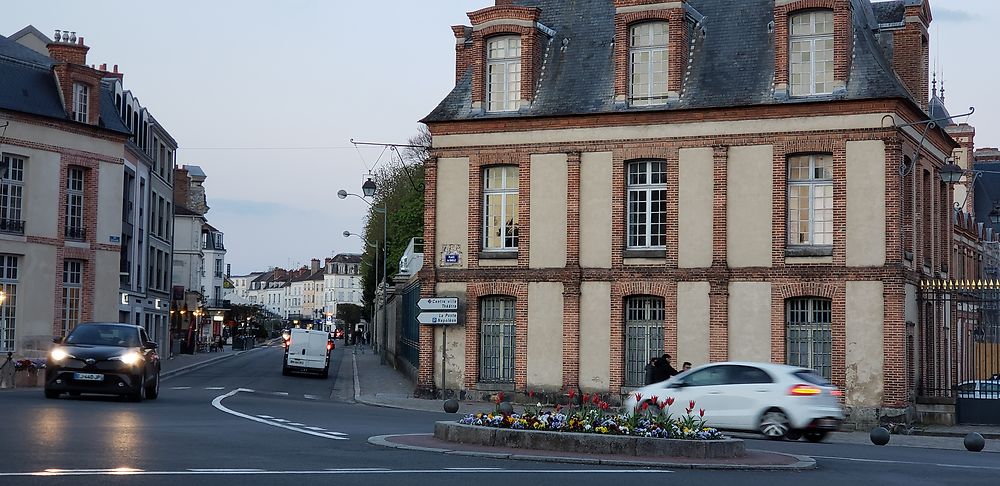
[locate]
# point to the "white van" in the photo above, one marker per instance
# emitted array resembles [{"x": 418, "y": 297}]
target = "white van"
[{"x": 307, "y": 350}]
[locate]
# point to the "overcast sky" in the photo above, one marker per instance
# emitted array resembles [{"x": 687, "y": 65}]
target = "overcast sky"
[{"x": 251, "y": 88}]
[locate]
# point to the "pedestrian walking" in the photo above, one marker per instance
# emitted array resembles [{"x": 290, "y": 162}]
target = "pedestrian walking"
[
  {"x": 651, "y": 371},
  {"x": 686, "y": 366},
  {"x": 664, "y": 371}
]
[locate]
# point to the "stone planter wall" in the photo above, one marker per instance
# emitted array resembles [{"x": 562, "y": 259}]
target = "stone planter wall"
[
  {"x": 29, "y": 379},
  {"x": 589, "y": 443}
]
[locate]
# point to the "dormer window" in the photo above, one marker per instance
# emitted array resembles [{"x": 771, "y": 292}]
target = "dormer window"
[
  {"x": 648, "y": 64},
  {"x": 503, "y": 73},
  {"x": 810, "y": 54},
  {"x": 81, "y": 102}
]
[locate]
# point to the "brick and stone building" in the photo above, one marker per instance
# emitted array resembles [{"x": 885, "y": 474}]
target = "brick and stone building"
[
  {"x": 62, "y": 145},
  {"x": 717, "y": 180}
]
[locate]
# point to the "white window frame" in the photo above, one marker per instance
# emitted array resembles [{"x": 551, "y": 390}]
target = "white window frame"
[
  {"x": 648, "y": 63},
  {"x": 812, "y": 39},
  {"x": 81, "y": 102},
  {"x": 72, "y": 294},
  {"x": 814, "y": 184},
  {"x": 76, "y": 180},
  {"x": 503, "y": 73},
  {"x": 644, "y": 179},
  {"x": 507, "y": 225},
  {"x": 12, "y": 189},
  {"x": 8, "y": 308}
]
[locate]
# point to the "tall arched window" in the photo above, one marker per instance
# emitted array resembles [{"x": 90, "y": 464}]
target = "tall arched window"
[
  {"x": 496, "y": 339},
  {"x": 646, "y": 182},
  {"x": 648, "y": 63},
  {"x": 643, "y": 336},
  {"x": 810, "y": 53},
  {"x": 503, "y": 73},
  {"x": 808, "y": 335}
]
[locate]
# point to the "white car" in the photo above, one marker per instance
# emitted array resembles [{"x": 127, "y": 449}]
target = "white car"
[
  {"x": 777, "y": 400},
  {"x": 307, "y": 351},
  {"x": 981, "y": 389}
]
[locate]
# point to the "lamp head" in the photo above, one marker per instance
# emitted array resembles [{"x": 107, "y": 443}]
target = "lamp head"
[
  {"x": 368, "y": 188},
  {"x": 342, "y": 194},
  {"x": 951, "y": 172},
  {"x": 347, "y": 234}
]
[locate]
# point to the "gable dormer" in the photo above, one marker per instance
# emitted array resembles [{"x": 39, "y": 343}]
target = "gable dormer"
[
  {"x": 503, "y": 48},
  {"x": 812, "y": 45},
  {"x": 651, "y": 46},
  {"x": 79, "y": 84}
]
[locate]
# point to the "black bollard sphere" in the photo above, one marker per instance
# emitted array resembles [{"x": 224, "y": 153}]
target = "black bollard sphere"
[
  {"x": 975, "y": 442},
  {"x": 451, "y": 405},
  {"x": 506, "y": 408},
  {"x": 879, "y": 436}
]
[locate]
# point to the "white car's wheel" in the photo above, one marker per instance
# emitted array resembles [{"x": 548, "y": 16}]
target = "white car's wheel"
[{"x": 774, "y": 424}]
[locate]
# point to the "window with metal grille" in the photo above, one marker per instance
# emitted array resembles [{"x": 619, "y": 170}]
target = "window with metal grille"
[
  {"x": 8, "y": 301},
  {"x": 74, "y": 204},
  {"x": 647, "y": 204},
  {"x": 810, "y": 200},
  {"x": 500, "y": 198},
  {"x": 81, "y": 102},
  {"x": 808, "y": 337},
  {"x": 503, "y": 73},
  {"x": 496, "y": 340},
  {"x": 643, "y": 336},
  {"x": 71, "y": 294},
  {"x": 12, "y": 194},
  {"x": 810, "y": 53},
  {"x": 648, "y": 64}
]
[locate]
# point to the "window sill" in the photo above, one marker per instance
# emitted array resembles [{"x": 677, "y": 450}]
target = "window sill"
[
  {"x": 498, "y": 255},
  {"x": 645, "y": 253},
  {"x": 808, "y": 251},
  {"x": 491, "y": 386}
]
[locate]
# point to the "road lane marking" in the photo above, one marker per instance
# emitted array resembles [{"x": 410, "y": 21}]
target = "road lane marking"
[
  {"x": 473, "y": 468},
  {"x": 279, "y": 420},
  {"x": 909, "y": 463},
  {"x": 296, "y": 424},
  {"x": 180, "y": 388},
  {"x": 265, "y": 416},
  {"x": 373, "y": 471},
  {"x": 315, "y": 428},
  {"x": 280, "y": 394},
  {"x": 217, "y": 403},
  {"x": 311, "y": 397},
  {"x": 215, "y": 388}
]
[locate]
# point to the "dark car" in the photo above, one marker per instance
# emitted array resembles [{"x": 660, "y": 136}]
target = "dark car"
[{"x": 104, "y": 358}]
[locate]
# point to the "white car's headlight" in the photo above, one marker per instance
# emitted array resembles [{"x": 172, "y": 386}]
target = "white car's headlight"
[
  {"x": 58, "y": 354},
  {"x": 130, "y": 358}
]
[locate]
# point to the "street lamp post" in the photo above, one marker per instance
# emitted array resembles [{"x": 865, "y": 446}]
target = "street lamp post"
[
  {"x": 348, "y": 234},
  {"x": 368, "y": 189}
]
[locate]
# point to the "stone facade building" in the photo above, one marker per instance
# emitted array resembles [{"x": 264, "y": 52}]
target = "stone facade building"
[{"x": 717, "y": 180}]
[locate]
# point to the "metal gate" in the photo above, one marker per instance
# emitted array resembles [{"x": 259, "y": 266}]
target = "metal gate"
[
  {"x": 410, "y": 332},
  {"x": 959, "y": 347}
]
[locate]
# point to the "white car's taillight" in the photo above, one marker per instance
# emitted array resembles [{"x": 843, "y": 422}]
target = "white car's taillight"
[{"x": 804, "y": 390}]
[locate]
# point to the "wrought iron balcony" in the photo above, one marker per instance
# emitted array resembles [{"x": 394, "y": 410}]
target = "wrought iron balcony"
[
  {"x": 217, "y": 304},
  {"x": 76, "y": 233},
  {"x": 13, "y": 226}
]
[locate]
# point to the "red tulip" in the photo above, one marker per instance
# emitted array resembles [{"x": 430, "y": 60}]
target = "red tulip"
[
  {"x": 691, "y": 405},
  {"x": 701, "y": 412},
  {"x": 670, "y": 401},
  {"x": 571, "y": 393},
  {"x": 597, "y": 399},
  {"x": 638, "y": 397},
  {"x": 531, "y": 393},
  {"x": 645, "y": 405},
  {"x": 655, "y": 399},
  {"x": 586, "y": 398}
]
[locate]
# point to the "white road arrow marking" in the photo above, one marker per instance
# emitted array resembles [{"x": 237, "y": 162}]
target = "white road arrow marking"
[{"x": 217, "y": 403}]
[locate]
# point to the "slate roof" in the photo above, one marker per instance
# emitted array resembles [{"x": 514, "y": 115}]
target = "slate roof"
[
  {"x": 29, "y": 86},
  {"x": 987, "y": 191},
  {"x": 729, "y": 66}
]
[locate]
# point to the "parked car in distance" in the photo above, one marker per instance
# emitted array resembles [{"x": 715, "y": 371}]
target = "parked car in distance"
[
  {"x": 307, "y": 350},
  {"x": 104, "y": 358},
  {"x": 982, "y": 389},
  {"x": 779, "y": 401}
]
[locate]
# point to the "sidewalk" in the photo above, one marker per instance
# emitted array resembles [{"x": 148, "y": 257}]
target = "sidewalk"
[{"x": 383, "y": 386}]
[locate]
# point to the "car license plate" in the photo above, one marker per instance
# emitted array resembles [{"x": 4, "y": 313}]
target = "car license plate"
[
  {"x": 827, "y": 423},
  {"x": 88, "y": 376},
  {"x": 296, "y": 361}
]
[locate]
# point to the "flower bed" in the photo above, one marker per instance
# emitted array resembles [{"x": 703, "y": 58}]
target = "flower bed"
[{"x": 593, "y": 416}]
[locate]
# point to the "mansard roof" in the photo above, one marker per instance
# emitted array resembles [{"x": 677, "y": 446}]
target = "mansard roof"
[{"x": 731, "y": 62}]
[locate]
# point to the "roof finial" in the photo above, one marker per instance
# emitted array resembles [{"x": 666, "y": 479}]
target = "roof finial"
[
  {"x": 934, "y": 91},
  {"x": 942, "y": 87}
]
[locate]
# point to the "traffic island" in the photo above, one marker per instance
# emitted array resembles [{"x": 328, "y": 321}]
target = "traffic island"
[
  {"x": 749, "y": 460},
  {"x": 726, "y": 448}
]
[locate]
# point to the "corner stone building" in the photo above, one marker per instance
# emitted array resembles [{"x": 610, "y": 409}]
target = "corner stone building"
[{"x": 714, "y": 179}]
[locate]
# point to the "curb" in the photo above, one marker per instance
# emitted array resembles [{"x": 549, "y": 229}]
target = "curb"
[
  {"x": 931, "y": 433},
  {"x": 804, "y": 462},
  {"x": 197, "y": 366}
]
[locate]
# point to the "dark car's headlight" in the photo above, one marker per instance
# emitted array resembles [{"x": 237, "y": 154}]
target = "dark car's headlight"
[
  {"x": 129, "y": 358},
  {"x": 58, "y": 355}
]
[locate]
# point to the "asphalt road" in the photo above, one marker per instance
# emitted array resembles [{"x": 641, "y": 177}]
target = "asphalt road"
[{"x": 241, "y": 422}]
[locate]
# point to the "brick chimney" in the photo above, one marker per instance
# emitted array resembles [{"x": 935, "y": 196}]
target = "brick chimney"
[
  {"x": 315, "y": 266},
  {"x": 71, "y": 71},
  {"x": 910, "y": 51},
  {"x": 463, "y": 50},
  {"x": 181, "y": 185}
]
